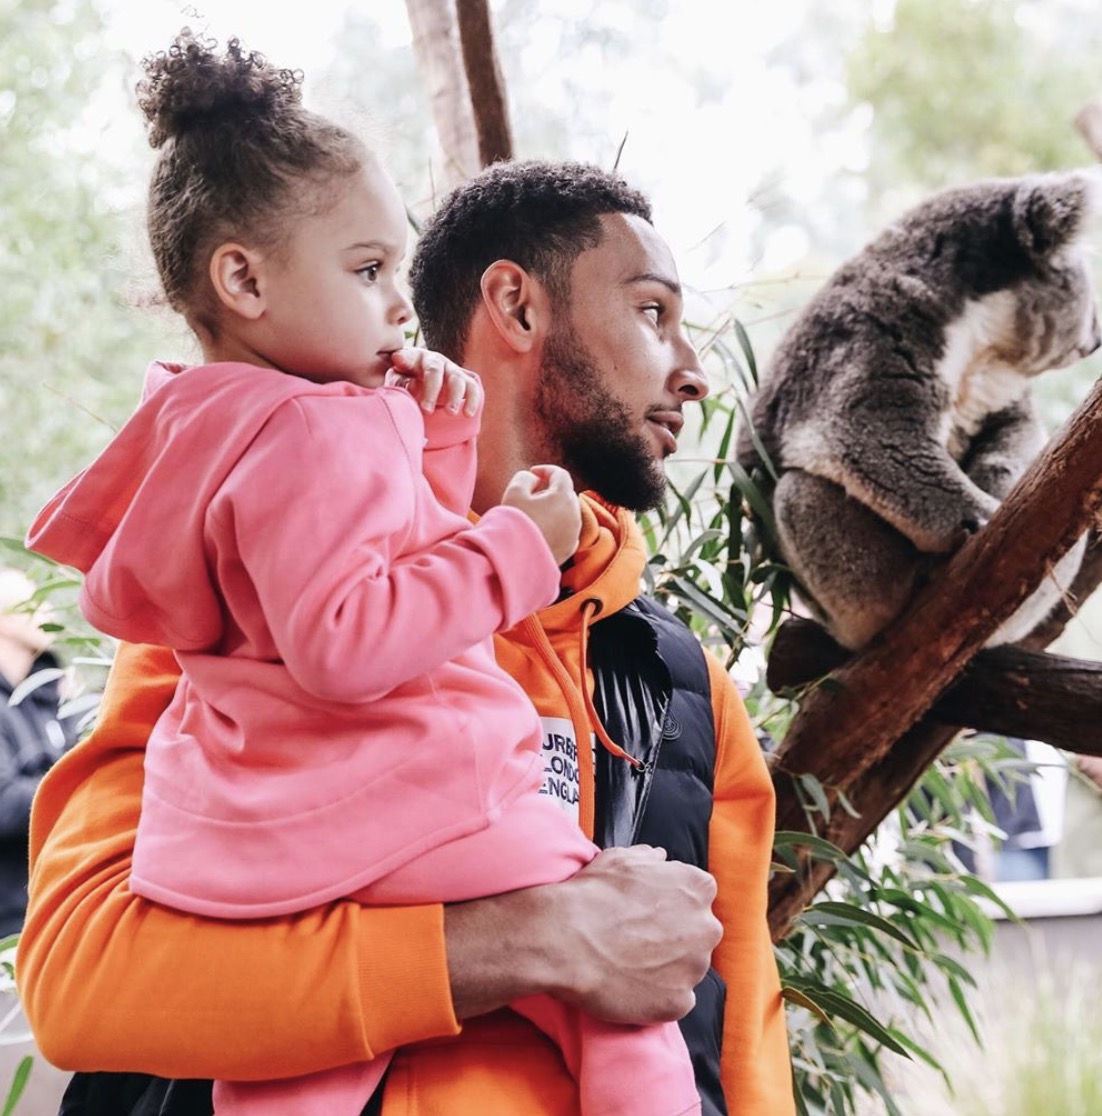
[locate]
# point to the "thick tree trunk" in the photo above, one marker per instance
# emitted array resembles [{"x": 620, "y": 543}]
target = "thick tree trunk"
[
  {"x": 485, "y": 82},
  {"x": 453, "y": 42},
  {"x": 862, "y": 734},
  {"x": 439, "y": 57}
]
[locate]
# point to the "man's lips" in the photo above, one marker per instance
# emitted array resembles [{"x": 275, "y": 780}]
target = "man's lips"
[{"x": 668, "y": 425}]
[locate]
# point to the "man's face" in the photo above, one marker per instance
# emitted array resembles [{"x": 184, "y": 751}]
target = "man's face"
[{"x": 617, "y": 367}]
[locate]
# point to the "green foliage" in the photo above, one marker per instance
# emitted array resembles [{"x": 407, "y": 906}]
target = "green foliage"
[
  {"x": 56, "y": 587},
  {"x": 72, "y": 350},
  {"x": 705, "y": 561},
  {"x": 7, "y": 1033},
  {"x": 18, "y": 1084},
  {"x": 965, "y": 88},
  {"x": 868, "y": 964},
  {"x": 1043, "y": 1056},
  {"x": 876, "y": 951}
]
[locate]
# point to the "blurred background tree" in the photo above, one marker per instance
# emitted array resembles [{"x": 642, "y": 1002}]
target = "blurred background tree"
[{"x": 71, "y": 346}]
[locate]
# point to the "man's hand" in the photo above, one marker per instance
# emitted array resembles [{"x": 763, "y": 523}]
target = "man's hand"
[
  {"x": 1091, "y": 766},
  {"x": 434, "y": 380},
  {"x": 627, "y": 939}
]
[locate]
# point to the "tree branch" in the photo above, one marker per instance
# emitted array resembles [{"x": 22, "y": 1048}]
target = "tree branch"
[
  {"x": 857, "y": 734},
  {"x": 1013, "y": 691},
  {"x": 485, "y": 82},
  {"x": 871, "y": 798}
]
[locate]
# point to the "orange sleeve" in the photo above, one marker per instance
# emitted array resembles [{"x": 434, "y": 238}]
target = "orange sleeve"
[
  {"x": 756, "y": 1066},
  {"x": 110, "y": 981}
]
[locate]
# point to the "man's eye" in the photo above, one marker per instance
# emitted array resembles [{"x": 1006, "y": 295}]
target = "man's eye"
[{"x": 370, "y": 272}]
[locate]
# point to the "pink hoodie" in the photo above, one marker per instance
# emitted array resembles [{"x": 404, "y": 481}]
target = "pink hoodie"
[{"x": 333, "y": 617}]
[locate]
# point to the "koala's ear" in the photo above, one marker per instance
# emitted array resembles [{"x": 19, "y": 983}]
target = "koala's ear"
[{"x": 1049, "y": 211}]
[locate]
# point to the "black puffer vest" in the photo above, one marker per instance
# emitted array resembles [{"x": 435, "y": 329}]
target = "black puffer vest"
[{"x": 653, "y": 694}]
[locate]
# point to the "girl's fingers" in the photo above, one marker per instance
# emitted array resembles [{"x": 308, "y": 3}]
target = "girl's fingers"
[
  {"x": 438, "y": 381},
  {"x": 474, "y": 396}
]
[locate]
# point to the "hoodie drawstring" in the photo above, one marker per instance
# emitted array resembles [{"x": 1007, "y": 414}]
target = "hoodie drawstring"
[
  {"x": 591, "y": 609},
  {"x": 583, "y": 715}
]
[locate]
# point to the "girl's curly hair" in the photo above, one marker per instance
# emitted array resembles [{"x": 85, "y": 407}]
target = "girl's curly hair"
[
  {"x": 238, "y": 156},
  {"x": 189, "y": 86}
]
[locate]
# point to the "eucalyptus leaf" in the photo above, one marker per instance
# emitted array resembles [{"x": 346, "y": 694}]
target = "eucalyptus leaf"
[
  {"x": 18, "y": 1084},
  {"x": 829, "y": 912}
]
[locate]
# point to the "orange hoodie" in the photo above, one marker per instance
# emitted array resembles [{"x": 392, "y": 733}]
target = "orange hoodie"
[{"x": 111, "y": 981}]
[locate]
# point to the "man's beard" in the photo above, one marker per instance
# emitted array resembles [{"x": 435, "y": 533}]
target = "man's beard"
[{"x": 589, "y": 432}]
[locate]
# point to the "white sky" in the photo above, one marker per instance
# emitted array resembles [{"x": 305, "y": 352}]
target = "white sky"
[
  {"x": 303, "y": 33},
  {"x": 698, "y": 163}
]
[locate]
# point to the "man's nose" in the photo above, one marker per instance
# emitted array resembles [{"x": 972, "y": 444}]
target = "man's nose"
[{"x": 689, "y": 381}]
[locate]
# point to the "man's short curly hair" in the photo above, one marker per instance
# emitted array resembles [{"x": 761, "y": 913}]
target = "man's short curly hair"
[{"x": 540, "y": 215}]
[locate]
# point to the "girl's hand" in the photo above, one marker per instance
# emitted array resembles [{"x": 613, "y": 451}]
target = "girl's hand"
[
  {"x": 545, "y": 493},
  {"x": 434, "y": 380}
]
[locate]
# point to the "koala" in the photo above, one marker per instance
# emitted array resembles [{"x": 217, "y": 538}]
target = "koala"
[{"x": 895, "y": 412}]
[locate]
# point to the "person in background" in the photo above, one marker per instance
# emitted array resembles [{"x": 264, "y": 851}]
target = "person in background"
[
  {"x": 33, "y": 735},
  {"x": 1026, "y": 807},
  {"x": 1030, "y": 813}
]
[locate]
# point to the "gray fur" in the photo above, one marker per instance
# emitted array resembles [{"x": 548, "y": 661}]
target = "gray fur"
[{"x": 896, "y": 410}]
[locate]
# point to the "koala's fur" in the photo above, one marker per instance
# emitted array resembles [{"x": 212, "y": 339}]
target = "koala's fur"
[{"x": 896, "y": 410}]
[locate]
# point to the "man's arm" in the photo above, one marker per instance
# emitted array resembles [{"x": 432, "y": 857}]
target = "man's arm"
[
  {"x": 756, "y": 1067},
  {"x": 626, "y": 939},
  {"x": 111, "y": 981}
]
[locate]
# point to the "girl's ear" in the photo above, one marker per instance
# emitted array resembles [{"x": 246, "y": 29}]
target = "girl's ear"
[
  {"x": 517, "y": 304},
  {"x": 235, "y": 274}
]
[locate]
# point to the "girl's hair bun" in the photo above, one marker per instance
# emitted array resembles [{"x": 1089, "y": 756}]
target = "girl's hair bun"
[{"x": 191, "y": 85}]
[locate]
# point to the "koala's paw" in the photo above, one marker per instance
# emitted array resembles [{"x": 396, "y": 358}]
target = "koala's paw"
[
  {"x": 968, "y": 528},
  {"x": 946, "y": 532}
]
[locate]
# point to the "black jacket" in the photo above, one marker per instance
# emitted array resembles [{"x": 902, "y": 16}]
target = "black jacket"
[
  {"x": 31, "y": 739},
  {"x": 653, "y": 695}
]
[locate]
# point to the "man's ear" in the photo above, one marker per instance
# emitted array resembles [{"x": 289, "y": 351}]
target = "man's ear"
[
  {"x": 236, "y": 275},
  {"x": 517, "y": 304}
]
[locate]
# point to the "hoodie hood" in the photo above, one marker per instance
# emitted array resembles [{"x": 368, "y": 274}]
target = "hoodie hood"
[
  {"x": 607, "y": 567},
  {"x": 133, "y": 522}
]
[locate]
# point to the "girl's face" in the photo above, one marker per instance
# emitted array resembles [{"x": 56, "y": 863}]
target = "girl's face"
[{"x": 333, "y": 306}]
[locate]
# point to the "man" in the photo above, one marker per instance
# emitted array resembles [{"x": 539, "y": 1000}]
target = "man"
[
  {"x": 550, "y": 281},
  {"x": 32, "y": 734}
]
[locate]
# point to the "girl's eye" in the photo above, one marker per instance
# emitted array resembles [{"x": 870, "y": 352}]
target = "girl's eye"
[
  {"x": 654, "y": 312},
  {"x": 370, "y": 272}
]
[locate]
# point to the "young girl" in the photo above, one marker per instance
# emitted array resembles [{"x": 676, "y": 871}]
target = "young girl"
[{"x": 293, "y": 524}]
